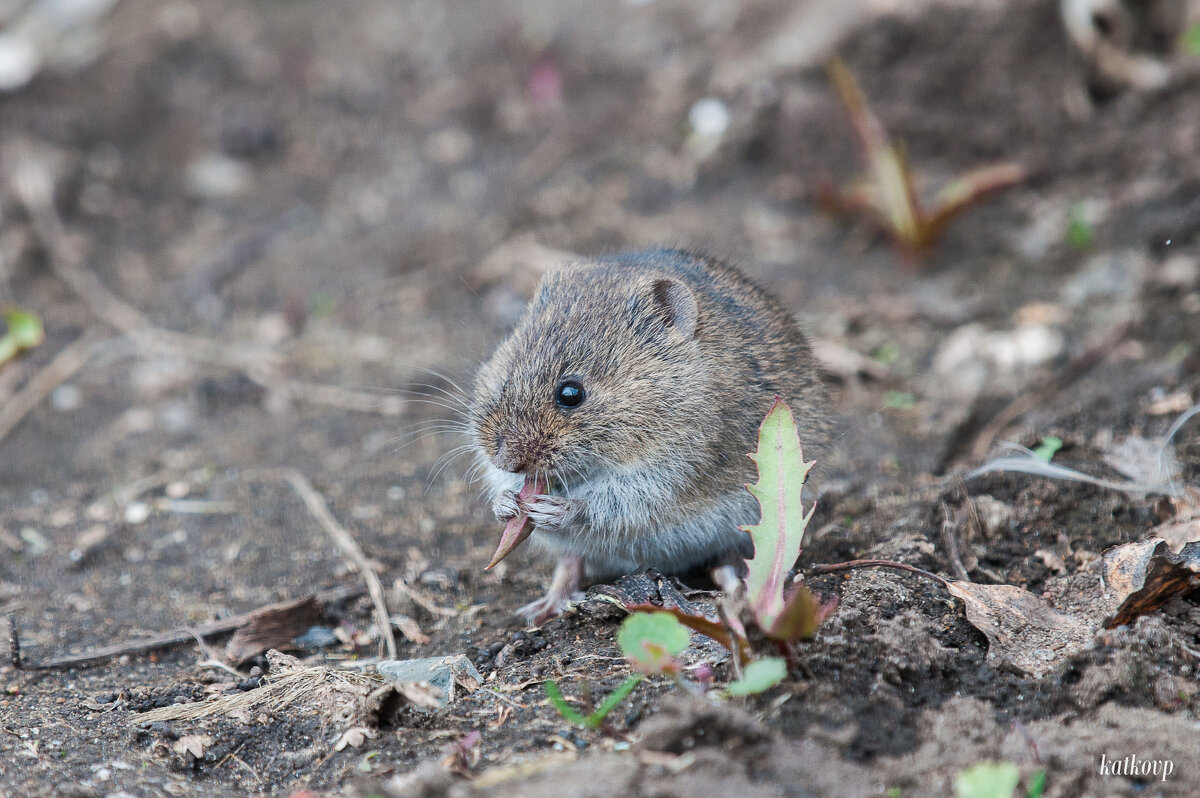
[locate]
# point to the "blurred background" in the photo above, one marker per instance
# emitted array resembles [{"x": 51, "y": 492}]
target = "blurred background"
[
  {"x": 362, "y": 189},
  {"x": 237, "y": 235}
]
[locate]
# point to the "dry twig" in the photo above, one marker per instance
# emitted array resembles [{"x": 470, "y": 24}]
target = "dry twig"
[
  {"x": 355, "y": 559},
  {"x": 165, "y": 640},
  {"x": 42, "y": 384}
]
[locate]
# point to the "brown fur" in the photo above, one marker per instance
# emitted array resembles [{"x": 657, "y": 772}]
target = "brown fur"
[{"x": 681, "y": 357}]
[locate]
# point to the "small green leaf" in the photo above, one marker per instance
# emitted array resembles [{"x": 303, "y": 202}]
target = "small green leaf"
[
  {"x": 24, "y": 327},
  {"x": 893, "y": 792},
  {"x": 25, "y": 331},
  {"x": 555, "y": 697},
  {"x": 780, "y": 531},
  {"x": 1179, "y": 353},
  {"x": 987, "y": 780},
  {"x": 1191, "y": 40},
  {"x": 887, "y": 353},
  {"x": 615, "y": 697},
  {"x": 899, "y": 400},
  {"x": 1037, "y": 785},
  {"x": 698, "y": 623},
  {"x": 1050, "y": 446},
  {"x": 652, "y": 640},
  {"x": 759, "y": 676},
  {"x": 1080, "y": 234},
  {"x": 800, "y": 617}
]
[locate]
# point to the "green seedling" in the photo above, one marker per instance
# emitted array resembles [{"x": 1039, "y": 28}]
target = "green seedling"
[
  {"x": 779, "y": 534},
  {"x": 759, "y": 676},
  {"x": 1191, "y": 40},
  {"x": 889, "y": 198},
  {"x": 887, "y": 353},
  {"x": 1037, "y": 785},
  {"x": 25, "y": 331},
  {"x": 322, "y": 305},
  {"x": 987, "y": 780},
  {"x": 1048, "y": 448},
  {"x": 899, "y": 400},
  {"x": 594, "y": 719},
  {"x": 783, "y": 616},
  {"x": 651, "y": 641},
  {"x": 1080, "y": 233}
]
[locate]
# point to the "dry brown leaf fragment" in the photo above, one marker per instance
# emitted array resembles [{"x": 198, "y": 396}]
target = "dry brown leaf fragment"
[
  {"x": 192, "y": 745},
  {"x": 423, "y": 694},
  {"x": 275, "y": 626},
  {"x": 1146, "y": 575},
  {"x": 354, "y": 737},
  {"x": 1181, "y": 519},
  {"x": 1025, "y": 634},
  {"x": 1052, "y": 560},
  {"x": 410, "y": 629}
]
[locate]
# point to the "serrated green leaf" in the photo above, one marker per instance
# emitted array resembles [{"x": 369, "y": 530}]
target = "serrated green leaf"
[
  {"x": 759, "y": 676},
  {"x": 780, "y": 532},
  {"x": 652, "y": 640},
  {"x": 987, "y": 780}
]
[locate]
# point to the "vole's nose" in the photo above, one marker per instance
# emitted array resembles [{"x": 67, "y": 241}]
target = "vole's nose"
[
  {"x": 517, "y": 454},
  {"x": 510, "y": 456}
]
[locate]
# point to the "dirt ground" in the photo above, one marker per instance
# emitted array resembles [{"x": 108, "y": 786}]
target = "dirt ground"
[{"x": 345, "y": 206}]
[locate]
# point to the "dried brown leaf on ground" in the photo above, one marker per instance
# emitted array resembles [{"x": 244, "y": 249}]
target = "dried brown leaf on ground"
[
  {"x": 1183, "y": 524},
  {"x": 355, "y": 737},
  {"x": 193, "y": 745},
  {"x": 1146, "y": 575},
  {"x": 274, "y": 626},
  {"x": 1025, "y": 634}
]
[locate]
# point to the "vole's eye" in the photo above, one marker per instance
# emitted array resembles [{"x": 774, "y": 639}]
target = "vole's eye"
[{"x": 569, "y": 394}]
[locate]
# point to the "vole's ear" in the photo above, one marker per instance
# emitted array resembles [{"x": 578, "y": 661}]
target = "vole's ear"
[{"x": 677, "y": 304}]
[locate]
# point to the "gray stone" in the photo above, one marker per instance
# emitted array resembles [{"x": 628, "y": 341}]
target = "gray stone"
[{"x": 445, "y": 673}]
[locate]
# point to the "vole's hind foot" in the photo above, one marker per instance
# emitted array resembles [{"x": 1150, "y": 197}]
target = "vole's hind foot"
[
  {"x": 564, "y": 588},
  {"x": 505, "y": 506},
  {"x": 551, "y": 512}
]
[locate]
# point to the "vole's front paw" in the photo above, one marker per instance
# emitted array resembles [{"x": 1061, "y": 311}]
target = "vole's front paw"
[
  {"x": 551, "y": 512},
  {"x": 505, "y": 506}
]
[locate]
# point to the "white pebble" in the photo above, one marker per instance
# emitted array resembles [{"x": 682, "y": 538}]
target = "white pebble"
[
  {"x": 216, "y": 176},
  {"x": 66, "y": 398},
  {"x": 137, "y": 513},
  {"x": 709, "y": 118},
  {"x": 19, "y": 61}
]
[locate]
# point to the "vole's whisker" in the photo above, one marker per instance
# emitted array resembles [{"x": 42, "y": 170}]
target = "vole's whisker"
[{"x": 448, "y": 458}]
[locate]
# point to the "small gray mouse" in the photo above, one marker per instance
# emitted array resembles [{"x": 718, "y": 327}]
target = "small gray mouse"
[{"x": 634, "y": 385}]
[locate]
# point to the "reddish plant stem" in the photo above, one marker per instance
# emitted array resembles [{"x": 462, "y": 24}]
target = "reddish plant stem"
[{"x": 851, "y": 565}]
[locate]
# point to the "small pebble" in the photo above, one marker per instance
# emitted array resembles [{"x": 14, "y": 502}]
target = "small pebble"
[
  {"x": 709, "y": 118},
  {"x": 137, "y": 513},
  {"x": 66, "y": 398}
]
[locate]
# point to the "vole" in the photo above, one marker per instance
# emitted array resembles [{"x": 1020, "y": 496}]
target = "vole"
[{"x": 634, "y": 385}]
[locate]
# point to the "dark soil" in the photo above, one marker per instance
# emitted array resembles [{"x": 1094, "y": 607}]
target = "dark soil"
[{"x": 406, "y": 171}]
